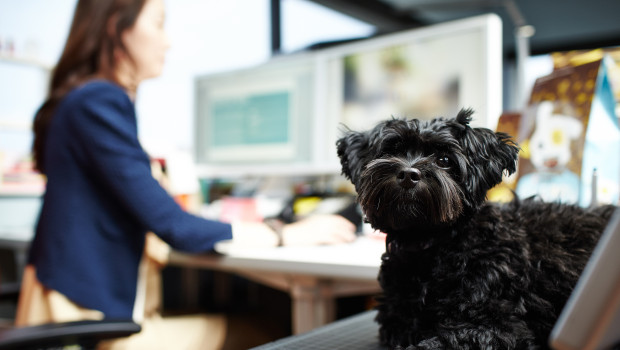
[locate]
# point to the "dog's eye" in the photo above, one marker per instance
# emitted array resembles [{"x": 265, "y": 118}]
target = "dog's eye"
[{"x": 443, "y": 161}]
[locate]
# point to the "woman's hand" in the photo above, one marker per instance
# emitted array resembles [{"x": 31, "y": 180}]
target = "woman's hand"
[
  {"x": 253, "y": 234},
  {"x": 314, "y": 230},
  {"x": 318, "y": 229}
]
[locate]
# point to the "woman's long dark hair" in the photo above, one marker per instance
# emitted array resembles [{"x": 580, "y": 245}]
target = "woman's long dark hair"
[{"x": 94, "y": 38}]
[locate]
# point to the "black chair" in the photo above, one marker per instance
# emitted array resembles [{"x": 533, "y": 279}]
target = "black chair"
[{"x": 86, "y": 334}]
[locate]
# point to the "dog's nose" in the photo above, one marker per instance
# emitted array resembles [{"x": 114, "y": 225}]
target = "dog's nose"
[{"x": 409, "y": 177}]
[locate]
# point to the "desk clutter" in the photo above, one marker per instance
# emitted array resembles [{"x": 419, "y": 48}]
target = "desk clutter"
[{"x": 287, "y": 200}]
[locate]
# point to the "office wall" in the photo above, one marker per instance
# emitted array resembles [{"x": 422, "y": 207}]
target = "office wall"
[{"x": 206, "y": 35}]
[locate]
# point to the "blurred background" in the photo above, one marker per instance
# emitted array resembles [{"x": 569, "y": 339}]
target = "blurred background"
[{"x": 317, "y": 63}]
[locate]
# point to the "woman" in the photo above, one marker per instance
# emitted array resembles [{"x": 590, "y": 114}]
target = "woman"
[{"x": 100, "y": 198}]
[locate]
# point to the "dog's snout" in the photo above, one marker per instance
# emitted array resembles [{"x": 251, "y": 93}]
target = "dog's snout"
[{"x": 409, "y": 177}]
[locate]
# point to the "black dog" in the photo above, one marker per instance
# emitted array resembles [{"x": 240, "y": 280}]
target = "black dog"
[{"x": 459, "y": 272}]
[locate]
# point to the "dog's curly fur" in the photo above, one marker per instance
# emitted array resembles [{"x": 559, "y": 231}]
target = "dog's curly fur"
[{"x": 460, "y": 272}]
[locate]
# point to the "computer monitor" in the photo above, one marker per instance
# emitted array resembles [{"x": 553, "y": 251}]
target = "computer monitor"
[
  {"x": 591, "y": 318},
  {"x": 421, "y": 73},
  {"x": 256, "y": 115},
  {"x": 289, "y": 112}
]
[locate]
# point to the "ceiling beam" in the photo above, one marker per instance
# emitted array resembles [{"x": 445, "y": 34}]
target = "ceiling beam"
[{"x": 384, "y": 17}]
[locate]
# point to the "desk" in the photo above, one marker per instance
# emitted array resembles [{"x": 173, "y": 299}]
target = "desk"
[
  {"x": 359, "y": 332},
  {"x": 313, "y": 276}
]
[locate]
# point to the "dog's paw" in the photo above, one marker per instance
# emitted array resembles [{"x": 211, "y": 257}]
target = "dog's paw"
[
  {"x": 430, "y": 344},
  {"x": 427, "y": 344}
]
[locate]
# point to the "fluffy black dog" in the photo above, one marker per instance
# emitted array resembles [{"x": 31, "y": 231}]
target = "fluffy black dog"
[{"x": 459, "y": 272}]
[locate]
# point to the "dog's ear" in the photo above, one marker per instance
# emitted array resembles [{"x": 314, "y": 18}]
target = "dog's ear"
[
  {"x": 490, "y": 153},
  {"x": 353, "y": 149}
]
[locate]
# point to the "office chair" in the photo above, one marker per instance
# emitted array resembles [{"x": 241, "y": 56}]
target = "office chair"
[{"x": 85, "y": 334}]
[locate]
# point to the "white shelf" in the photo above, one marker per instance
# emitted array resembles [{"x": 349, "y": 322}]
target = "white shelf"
[
  {"x": 240, "y": 171},
  {"x": 17, "y": 192},
  {"x": 11, "y": 125},
  {"x": 27, "y": 61}
]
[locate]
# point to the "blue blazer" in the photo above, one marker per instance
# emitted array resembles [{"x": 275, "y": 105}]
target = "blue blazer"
[{"x": 100, "y": 201}]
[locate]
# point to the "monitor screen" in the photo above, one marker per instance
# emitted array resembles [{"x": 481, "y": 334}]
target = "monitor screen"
[
  {"x": 421, "y": 73},
  {"x": 255, "y": 115},
  {"x": 291, "y": 110}
]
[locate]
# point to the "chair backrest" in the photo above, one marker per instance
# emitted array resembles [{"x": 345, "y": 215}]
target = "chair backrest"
[
  {"x": 591, "y": 317},
  {"x": 54, "y": 335}
]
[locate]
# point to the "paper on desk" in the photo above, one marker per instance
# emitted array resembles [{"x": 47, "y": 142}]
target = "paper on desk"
[{"x": 362, "y": 252}]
